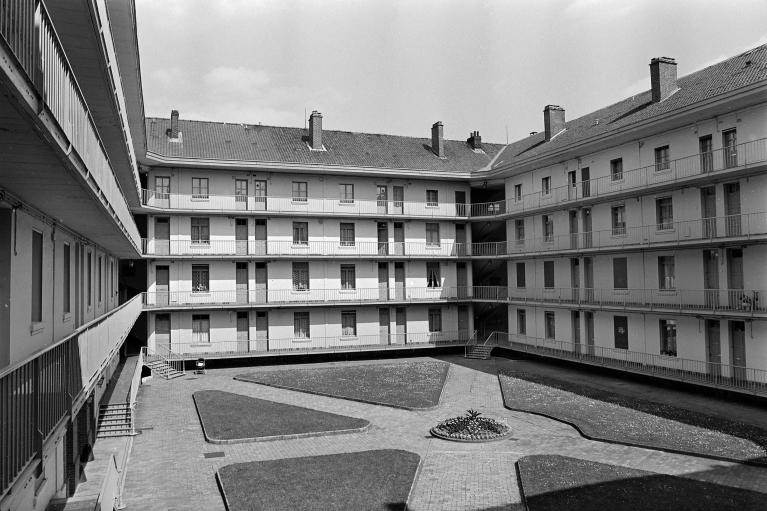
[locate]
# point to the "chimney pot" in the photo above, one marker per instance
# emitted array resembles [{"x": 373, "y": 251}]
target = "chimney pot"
[
  {"x": 315, "y": 131},
  {"x": 173, "y": 133},
  {"x": 553, "y": 121},
  {"x": 662, "y": 78},
  {"x": 437, "y": 139},
  {"x": 475, "y": 140}
]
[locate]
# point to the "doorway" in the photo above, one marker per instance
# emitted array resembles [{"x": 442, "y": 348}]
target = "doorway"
[
  {"x": 401, "y": 325},
  {"x": 588, "y": 318},
  {"x": 383, "y": 325},
  {"x": 738, "y": 349},
  {"x": 243, "y": 331},
  {"x": 399, "y": 281},
  {"x": 586, "y": 215},
  {"x": 399, "y": 238},
  {"x": 575, "y": 320},
  {"x": 460, "y": 203},
  {"x": 260, "y": 244},
  {"x": 708, "y": 211},
  {"x": 241, "y": 236},
  {"x": 262, "y": 331},
  {"x": 162, "y": 333},
  {"x": 713, "y": 347},
  {"x": 732, "y": 209},
  {"x": 261, "y": 288},
  {"x": 162, "y": 235},
  {"x": 162, "y": 281},
  {"x": 383, "y": 238},
  {"x": 382, "y": 198},
  {"x": 711, "y": 278},
  {"x": 383, "y": 281},
  {"x": 242, "y": 282}
]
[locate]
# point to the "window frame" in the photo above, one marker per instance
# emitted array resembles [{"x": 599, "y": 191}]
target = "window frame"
[
  {"x": 662, "y": 158},
  {"x": 348, "y": 323},
  {"x": 518, "y": 192},
  {"x": 546, "y": 185},
  {"x": 37, "y": 277},
  {"x": 616, "y": 169},
  {"x": 300, "y": 191},
  {"x": 200, "y": 192},
  {"x": 519, "y": 231},
  {"x": 66, "y": 259},
  {"x": 300, "y": 276},
  {"x": 547, "y": 226},
  {"x": 619, "y": 322},
  {"x": 730, "y": 148},
  {"x": 618, "y": 219},
  {"x": 348, "y": 276},
  {"x": 346, "y": 193},
  {"x": 302, "y": 326},
  {"x": 201, "y": 335},
  {"x": 300, "y": 234},
  {"x": 663, "y": 206},
  {"x": 521, "y": 321},
  {"x": 432, "y": 198},
  {"x": 199, "y": 231},
  {"x": 521, "y": 271},
  {"x": 668, "y": 343},
  {"x": 432, "y": 235},
  {"x": 549, "y": 325},
  {"x": 201, "y": 278},
  {"x": 344, "y": 230},
  {"x": 433, "y": 275},
  {"x": 620, "y": 273},
  {"x": 666, "y": 279},
  {"x": 435, "y": 320},
  {"x": 548, "y": 275}
]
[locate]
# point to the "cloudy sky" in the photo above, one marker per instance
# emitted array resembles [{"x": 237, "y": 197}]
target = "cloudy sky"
[{"x": 397, "y": 66}]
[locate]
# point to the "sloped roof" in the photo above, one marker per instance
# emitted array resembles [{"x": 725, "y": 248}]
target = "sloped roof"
[
  {"x": 272, "y": 144},
  {"x": 729, "y": 75}
]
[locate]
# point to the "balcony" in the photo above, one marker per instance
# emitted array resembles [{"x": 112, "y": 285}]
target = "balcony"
[
  {"x": 301, "y": 206},
  {"x": 744, "y": 227},
  {"x": 311, "y": 249},
  {"x": 647, "y": 178},
  {"x": 292, "y": 297}
]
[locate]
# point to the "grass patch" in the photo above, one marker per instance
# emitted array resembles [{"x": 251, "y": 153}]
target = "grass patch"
[
  {"x": 604, "y": 415},
  {"x": 230, "y": 418},
  {"x": 369, "y": 480},
  {"x": 554, "y": 483},
  {"x": 412, "y": 385}
]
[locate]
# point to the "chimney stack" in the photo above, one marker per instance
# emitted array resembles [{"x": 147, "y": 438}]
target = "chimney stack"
[
  {"x": 315, "y": 131},
  {"x": 475, "y": 141},
  {"x": 662, "y": 78},
  {"x": 553, "y": 121},
  {"x": 437, "y": 139},
  {"x": 173, "y": 132}
]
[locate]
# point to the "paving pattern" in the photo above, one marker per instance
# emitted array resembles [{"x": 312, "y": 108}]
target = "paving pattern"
[{"x": 168, "y": 470}]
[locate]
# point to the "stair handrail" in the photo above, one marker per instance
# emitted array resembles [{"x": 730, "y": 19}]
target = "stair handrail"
[{"x": 134, "y": 386}]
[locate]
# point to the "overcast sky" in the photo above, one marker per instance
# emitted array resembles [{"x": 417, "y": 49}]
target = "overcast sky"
[{"x": 396, "y": 67}]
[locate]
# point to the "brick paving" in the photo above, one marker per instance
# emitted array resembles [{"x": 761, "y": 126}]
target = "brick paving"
[{"x": 168, "y": 471}]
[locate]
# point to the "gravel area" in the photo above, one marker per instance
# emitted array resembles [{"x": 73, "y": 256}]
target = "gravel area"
[
  {"x": 368, "y": 480},
  {"x": 555, "y": 483},
  {"x": 609, "y": 416},
  {"x": 230, "y": 418},
  {"x": 412, "y": 385}
]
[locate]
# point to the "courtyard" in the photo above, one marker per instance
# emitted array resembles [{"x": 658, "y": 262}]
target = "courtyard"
[{"x": 553, "y": 458}]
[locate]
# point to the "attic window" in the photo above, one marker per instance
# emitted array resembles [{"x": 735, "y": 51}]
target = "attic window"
[{"x": 748, "y": 63}]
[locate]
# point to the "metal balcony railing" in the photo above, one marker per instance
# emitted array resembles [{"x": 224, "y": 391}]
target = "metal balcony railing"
[{"x": 727, "y": 158}]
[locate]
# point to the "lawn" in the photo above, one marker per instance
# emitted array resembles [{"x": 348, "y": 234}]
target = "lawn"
[
  {"x": 411, "y": 384},
  {"x": 230, "y": 418},
  {"x": 554, "y": 483},
  {"x": 609, "y": 416},
  {"x": 369, "y": 480}
]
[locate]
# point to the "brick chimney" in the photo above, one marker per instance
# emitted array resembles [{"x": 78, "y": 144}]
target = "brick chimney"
[
  {"x": 553, "y": 121},
  {"x": 662, "y": 78},
  {"x": 475, "y": 141},
  {"x": 315, "y": 131},
  {"x": 173, "y": 131},
  {"x": 437, "y": 139}
]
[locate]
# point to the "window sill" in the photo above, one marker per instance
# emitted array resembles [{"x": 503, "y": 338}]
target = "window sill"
[
  {"x": 348, "y": 291},
  {"x": 621, "y": 291},
  {"x": 200, "y": 199},
  {"x": 619, "y": 235},
  {"x": 200, "y": 345},
  {"x": 301, "y": 340},
  {"x": 662, "y": 171},
  {"x": 346, "y": 202},
  {"x": 619, "y": 181},
  {"x": 300, "y": 245},
  {"x": 669, "y": 354},
  {"x": 346, "y": 245},
  {"x": 300, "y": 291},
  {"x": 36, "y": 327},
  {"x": 201, "y": 293},
  {"x": 549, "y": 289},
  {"x": 433, "y": 247},
  {"x": 667, "y": 292},
  {"x": 665, "y": 231},
  {"x": 299, "y": 201},
  {"x": 200, "y": 244},
  {"x": 432, "y": 205},
  {"x": 348, "y": 338}
]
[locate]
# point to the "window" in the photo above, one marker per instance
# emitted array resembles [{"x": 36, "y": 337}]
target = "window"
[
  {"x": 664, "y": 213},
  {"x": 668, "y": 337},
  {"x": 521, "y": 275},
  {"x": 37, "y": 277},
  {"x": 518, "y": 192},
  {"x": 432, "y": 274},
  {"x": 548, "y": 274},
  {"x": 521, "y": 321},
  {"x": 347, "y": 234},
  {"x": 100, "y": 279},
  {"x": 666, "y": 272},
  {"x": 549, "y": 325},
  {"x": 349, "y": 323},
  {"x": 199, "y": 187},
  {"x": 301, "y": 325},
  {"x": 89, "y": 271},
  {"x": 618, "y": 214},
  {"x": 432, "y": 235},
  {"x": 435, "y": 320},
  {"x": 621, "y": 332},
  {"x": 616, "y": 169},
  {"x": 200, "y": 278},
  {"x": 548, "y": 228},
  {"x": 661, "y": 158},
  {"x": 162, "y": 187},
  {"x": 301, "y": 276},
  {"x": 300, "y": 189},
  {"x": 432, "y": 198},
  {"x": 346, "y": 193},
  {"x": 200, "y": 328},
  {"x": 546, "y": 185},
  {"x": 348, "y": 276},
  {"x": 241, "y": 190},
  {"x": 519, "y": 230},
  {"x": 729, "y": 144},
  {"x": 620, "y": 273},
  {"x": 201, "y": 231},
  {"x": 706, "y": 150},
  {"x": 300, "y": 233},
  {"x": 67, "y": 275}
]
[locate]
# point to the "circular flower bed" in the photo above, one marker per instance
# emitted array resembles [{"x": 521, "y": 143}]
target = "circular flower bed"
[{"x": 471, "y": 428}]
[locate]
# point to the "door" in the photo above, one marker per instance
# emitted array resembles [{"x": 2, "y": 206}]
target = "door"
[
  {"x": 460, "y": 203},
  {"x": 161, "y": 192},
  {"x": 399, "y": 281},
  {"x": 382, "y": 198},
  {"x": 586, "y": 215},
  {"x": 462, "y": 280},
  {"x": 575, "y": 320},
  {"x": 243, "y": 331},
  {"x": 162, "y": 333},
  {"x": 162, "y": 235},
  {"x": 713, "y": 347},
  {"x": 383, "y": 325},
  {"x": 78, "y": 287},
  {"x": 588, "y": 279},
  {"x": 259, "y": 195},
  {"x": 242, "y": 282},
  {"x": 260, "y": 243},
  {"x": 463, "y": 323},
  {"x": 383, "y": 238},
  {"x": 588, "y": 318},
  {"x": 575, "y": 278},
  {"x": 708, "y": 211},
  {"x": 573, "y": 229},
  {"x": 399, "y": 238},
  {"x": 711, "y": 278},
  {"x": 260, "y": 290},
  {"x": 262, "y": 331},
  {"x": 732, "y": 209},
  {"x": 738, "y": 349},
  {"x": 162, "y": 280},
  {"x": 241, "y": 236},
  {"x": 383, "y": 281},
  {"x": 460, "y": 240},
  {"x": 399, "y": 199},
  {"x": 401, "y": 325},
  {"x": 572, "y": 188},
  {"x": 738, "y": 299},
  {"x": 585, "y": 182},
  {"x": 240, "y": 194}
]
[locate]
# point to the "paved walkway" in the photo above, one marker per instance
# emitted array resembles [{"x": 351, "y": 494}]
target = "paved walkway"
[{"x": 168, "y": 470}]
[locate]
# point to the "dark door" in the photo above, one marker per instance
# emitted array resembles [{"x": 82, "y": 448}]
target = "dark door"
[
  {"x": 588, "y": 279},
  {"x": 462, "y": 280},
  {"x": 708, "y": 211},
  {"x": 621, "y": 326},
  {"x": 399, "y": 199},
  {"x": 713, "y": 347},
  {"x": 383, "y": 325},
  {"x": 382, "y": 197},
  {"x": 732, "y": 209},
  {"x": 575, "y": 319},
  {"x": 260, "y": 290},
  {"x": 585, "y": 182},
  {"x": 162, "y": 235},
  {"x": 573, "y": 229},
  {"x": 262, "y": 331},
  {"x": 243, "y": 331},
  {"x": 460, "y": 240},
  {"x": 705, "y": 149},
  {"x": 738, "y": 355},
  {"x": 463, "y": 323},
  {"x": 588, "y": 318},
  {"x": 162, "y": 280},
  {"x": 383, "y": 238},
  {"x": 241, "y": 236},
  {"x": 260, "y": 244},
  {"x": 162, "y": 332},
  {"x": 460, "y": 203},
  {"x": 738, "y": 299},
  {"x": 575, "y": 278},
  {"x": 259, "y": 195},
  {"x": 241, "y": 194},
  {"x": 399, "y": 238},
  {"x": 572, "y": 185},
  {"x": 242, "y": 282},
  {"x": 78, "y": 287},
  {"x": 711, "y": 278},
  {"x": 586, "y": 214},
  {"x": 383, "y": 281},
  {"x": 399, "y": 281},
  {"x": 401, "y": 326}
]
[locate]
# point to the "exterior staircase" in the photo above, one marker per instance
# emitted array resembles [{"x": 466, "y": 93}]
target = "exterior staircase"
[
  {"x": 115, "y": 420},
  {"x": 161, "y": 367},
  {"x": 478, "y": 351}
]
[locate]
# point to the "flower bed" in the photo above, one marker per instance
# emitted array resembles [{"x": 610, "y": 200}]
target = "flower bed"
[{"x": 471, "y": 428}]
